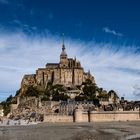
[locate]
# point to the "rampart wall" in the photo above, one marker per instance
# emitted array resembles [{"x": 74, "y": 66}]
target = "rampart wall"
[
  {"x": 94, "y": 116},
  {"x": 57, "y": 118}
]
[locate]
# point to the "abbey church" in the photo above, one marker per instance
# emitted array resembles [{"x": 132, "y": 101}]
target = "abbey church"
[{"x": 67, "y": 72}]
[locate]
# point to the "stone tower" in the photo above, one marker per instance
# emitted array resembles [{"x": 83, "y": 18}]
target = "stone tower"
[
  {"x": 67, "y": 72},
  {"x": 63, "y": 57}
]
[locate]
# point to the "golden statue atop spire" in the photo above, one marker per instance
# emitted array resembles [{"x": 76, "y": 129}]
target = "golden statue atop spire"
[
  {"x": 63, "y": 38},
  {"x": 63, "y": 53},
  {"x": 63, "y": 46}
]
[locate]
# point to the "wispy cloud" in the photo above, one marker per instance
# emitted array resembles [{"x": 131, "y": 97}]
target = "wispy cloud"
[
  {"x": 111, "y": 66},
  {"x": 137, "y": 90},
  {"x": 20, "y": 26},
  {"x": 4, "y": 1},
  {"x": 110, "y": 31}
]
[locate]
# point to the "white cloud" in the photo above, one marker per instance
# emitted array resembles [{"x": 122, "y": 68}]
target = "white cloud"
[
  {"x": 108, "y": 30},
  {"x": 113, "y": 68},
  {"x": 137, "y": 89}
]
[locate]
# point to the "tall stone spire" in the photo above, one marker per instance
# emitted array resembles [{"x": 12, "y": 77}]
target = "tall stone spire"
[
  {"x": 63, "y": 46},
  {"x": 63, "y": 53},
  {"x": 63, "y": 56}
]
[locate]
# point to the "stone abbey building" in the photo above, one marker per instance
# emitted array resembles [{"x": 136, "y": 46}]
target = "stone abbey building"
[{"x": 67, "y": 72}]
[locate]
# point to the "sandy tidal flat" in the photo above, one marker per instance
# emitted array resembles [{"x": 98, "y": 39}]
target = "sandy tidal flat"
[{"x": 73, "y": 131}]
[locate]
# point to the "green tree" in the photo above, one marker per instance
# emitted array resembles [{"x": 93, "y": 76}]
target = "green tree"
[
  {"x": 18, "y": 92},
  {"x": 89, "y": 89},
  {"x": 9, "y": 99},
  {"x": 49, "y": 89},
  {"x": 32, "y": 91},
  {"x": 6, "y": 107},
  {"x": 58, "y": 93},
  {"x": 103, "y": 94},
  {"x": 81, "y": 98},
  {"x": 6, "y": 104}
]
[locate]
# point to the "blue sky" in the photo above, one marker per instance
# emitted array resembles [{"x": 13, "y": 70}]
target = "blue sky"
[
  {"x": 104, "y": 32},
  {"x": 81, "y": 20}
]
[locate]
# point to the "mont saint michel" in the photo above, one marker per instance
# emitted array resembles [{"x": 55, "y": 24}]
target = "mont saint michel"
[
  {"x": 67, "y": 72},
  {"x": 66, "y": 90},
  {"x": 62, "y": 96},
  {"x": 69, "y": 69}
]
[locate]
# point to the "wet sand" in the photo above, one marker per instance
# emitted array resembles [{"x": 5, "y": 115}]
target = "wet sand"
[{"x": 73, "y": 131}]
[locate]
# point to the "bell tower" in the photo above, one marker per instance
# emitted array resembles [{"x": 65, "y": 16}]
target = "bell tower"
[{"x": 63, "y": 56}]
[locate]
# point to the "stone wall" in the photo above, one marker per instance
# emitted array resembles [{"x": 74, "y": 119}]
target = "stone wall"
[
  {"x": 104, "y": 116},
  {"x": 114, "y": 116},
  {"x": 81, "y": 116},
  {"x": 57, "y": 118},
  {"x": 65, "y": 76},
  {"x": 78, "y": 76}
]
